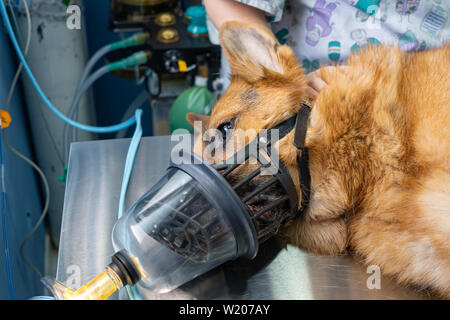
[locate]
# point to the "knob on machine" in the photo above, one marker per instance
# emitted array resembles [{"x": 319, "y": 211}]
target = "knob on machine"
[
  {"x": 168, "y": 35},
  {"x": 165, "y": 19}
]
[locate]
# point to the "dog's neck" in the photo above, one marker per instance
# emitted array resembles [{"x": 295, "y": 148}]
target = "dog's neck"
[{"x": 337, "y": 176}]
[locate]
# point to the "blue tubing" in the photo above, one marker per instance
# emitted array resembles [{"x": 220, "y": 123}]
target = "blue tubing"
[
  {"x": 58, "y": 113},
  {"x": 129, "y": 162},
  {"x": 133, "y": 293}
]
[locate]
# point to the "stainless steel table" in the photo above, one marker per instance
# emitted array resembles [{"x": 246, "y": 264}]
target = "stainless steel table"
[{"x": 90, "y": 211}]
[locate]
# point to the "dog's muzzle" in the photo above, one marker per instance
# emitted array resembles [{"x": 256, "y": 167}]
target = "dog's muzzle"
[{"x": 195, "y": 212}]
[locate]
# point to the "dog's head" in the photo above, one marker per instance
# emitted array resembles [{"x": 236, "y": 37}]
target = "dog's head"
[{"x": 267, "y": 86}]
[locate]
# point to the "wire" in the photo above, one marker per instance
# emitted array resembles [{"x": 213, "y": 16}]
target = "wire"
[
  {"x": 44, "y": 210},
  {"x": 58, "y": 113},
  {"x": 92, "y": 62},
  {"x": 27, "y": 47},
  {"x": 20, "y": 155},
  {"x": 87, "y": 70},
  {"x": 73, "y": 109},
  {"x": 19, "y": 70},
  {"x": 86, "y": 81},
  {"x": 14, "y": 20}
]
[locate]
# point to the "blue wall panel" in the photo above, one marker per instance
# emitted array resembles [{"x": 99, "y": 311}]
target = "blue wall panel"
[{"x": 23, "y": 201}]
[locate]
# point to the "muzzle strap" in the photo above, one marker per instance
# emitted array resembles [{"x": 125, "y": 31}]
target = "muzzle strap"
[{"x": 301, "y": 126}]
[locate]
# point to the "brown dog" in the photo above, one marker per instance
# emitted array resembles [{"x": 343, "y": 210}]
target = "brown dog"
[{"x": 379, "y": 150}]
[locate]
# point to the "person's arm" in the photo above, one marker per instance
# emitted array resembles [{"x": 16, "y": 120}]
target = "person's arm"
[{"x": 221, "y": 11}]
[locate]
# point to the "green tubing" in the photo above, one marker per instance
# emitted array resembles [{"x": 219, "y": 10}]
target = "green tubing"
[
  {"x": 135, "y": 59},
  {"x": 135, "y": 40}
]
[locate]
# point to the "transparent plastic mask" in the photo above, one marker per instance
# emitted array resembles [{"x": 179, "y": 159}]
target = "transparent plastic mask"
[{"x": 174, "y": 233}]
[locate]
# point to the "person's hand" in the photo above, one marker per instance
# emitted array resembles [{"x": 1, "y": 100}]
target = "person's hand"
[{"x": 316, "y": 83}]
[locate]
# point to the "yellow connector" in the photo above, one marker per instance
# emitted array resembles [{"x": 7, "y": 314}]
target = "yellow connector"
[
  {"x": 120, "y": 272},
  {"x": 182, "y": 66},
  {"x": 99, "y": 288}
]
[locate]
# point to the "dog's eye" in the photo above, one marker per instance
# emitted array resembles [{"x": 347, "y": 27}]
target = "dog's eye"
[{"x": 226, "y": 128}]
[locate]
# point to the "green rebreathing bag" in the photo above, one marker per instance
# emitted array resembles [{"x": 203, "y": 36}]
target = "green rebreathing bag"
[{"x": 197, "y": 99}]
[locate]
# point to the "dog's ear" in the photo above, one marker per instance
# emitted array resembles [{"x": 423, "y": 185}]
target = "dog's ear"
[
  {"x": 249, "y": 50},
  {"x": 192, "y": 117}
]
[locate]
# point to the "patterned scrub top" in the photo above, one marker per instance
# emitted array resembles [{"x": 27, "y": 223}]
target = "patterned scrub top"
[{"x": 325, "y": 32}]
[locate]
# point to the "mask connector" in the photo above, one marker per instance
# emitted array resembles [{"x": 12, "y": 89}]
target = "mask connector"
[{"x": 120, "y": 272}]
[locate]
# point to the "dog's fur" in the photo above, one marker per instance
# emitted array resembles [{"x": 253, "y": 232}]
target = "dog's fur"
[{"x": 379, "y": 150}]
